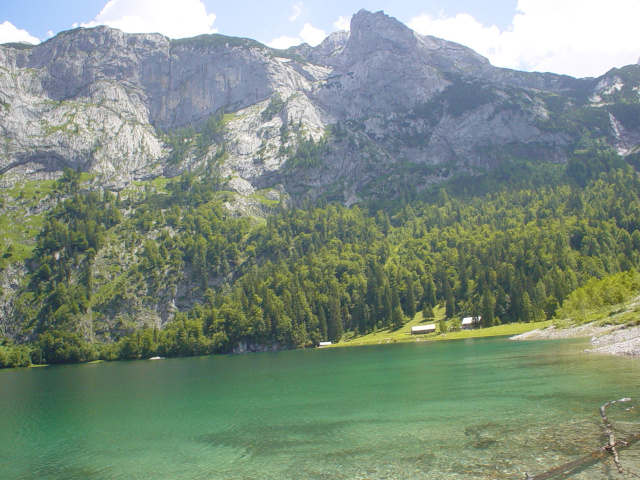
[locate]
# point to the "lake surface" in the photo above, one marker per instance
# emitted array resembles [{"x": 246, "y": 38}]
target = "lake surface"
[{"x": 483, "y": 408}]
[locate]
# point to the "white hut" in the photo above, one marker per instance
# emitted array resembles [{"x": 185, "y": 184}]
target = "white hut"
[
  {"x": 431, "y": 328},
  {"x": 469, "y": 323}
]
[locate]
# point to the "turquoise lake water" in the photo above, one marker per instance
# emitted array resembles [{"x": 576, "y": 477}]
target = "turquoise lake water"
[{"x": 482, "y": 408}]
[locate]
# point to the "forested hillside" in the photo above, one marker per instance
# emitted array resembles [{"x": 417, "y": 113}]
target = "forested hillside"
[
  {"x": 213, "y": 194},
  {"x": 166, "y": 269}
]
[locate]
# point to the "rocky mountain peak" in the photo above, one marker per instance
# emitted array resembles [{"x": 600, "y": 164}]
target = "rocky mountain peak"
[
  {"x": 91, "y": 41},
  {"x": 328, "y": 51},
  {"x": 114, "y": 103},
  {"x": 374, "y": 31},
  {"x": 386, "y": 67}
]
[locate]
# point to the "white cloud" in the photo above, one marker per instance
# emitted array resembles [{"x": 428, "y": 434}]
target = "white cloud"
[
  {"x": 342, "y": 23},
  {"x": 10, "y": 33},
  {"x": 173, "y": 18},
  {"x": 298, "y": 10},
  {"x": 309, "y": 34},
  {"x": 284, "y": 42},
  {"x": 462, "y": 28},
  {"x": 575, "y": 37}
]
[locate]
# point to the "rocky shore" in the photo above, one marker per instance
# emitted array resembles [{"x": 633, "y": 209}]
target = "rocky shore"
[{"x": 609, "y": 339}]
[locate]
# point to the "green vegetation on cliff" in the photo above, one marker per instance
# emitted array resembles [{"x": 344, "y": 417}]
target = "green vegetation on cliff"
[
  {"x": 167, "y": 270},
  {"x": 613, "y": 299}
]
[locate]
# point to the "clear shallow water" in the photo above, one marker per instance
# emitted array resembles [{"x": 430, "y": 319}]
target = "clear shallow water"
[{"x": 482, "y": 408}]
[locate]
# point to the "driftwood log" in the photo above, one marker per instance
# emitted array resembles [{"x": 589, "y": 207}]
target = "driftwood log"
[{"x": 610, "y": 449}]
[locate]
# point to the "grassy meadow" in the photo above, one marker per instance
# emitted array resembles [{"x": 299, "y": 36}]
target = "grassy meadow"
[{"x": 403, "y": 334}]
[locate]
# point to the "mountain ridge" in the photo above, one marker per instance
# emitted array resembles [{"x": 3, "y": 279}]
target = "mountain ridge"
[
  {"x": 95, "y": 99},
  {"x": 214, "y": 195}
]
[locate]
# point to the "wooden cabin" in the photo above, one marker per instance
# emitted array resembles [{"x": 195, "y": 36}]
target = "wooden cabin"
[
  {"x": 469, "y": 323},
  {"x": 430, "y": 328}
]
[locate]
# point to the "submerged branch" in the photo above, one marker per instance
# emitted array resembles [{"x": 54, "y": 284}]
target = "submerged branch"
[
  {"x": 611, "y": 447},
  {"x": 597, "y": 455}
]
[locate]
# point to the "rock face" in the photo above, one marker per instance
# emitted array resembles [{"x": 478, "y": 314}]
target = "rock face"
[
  {"x": 377, "y": 102},
  {"x": 384, "y": 67}
]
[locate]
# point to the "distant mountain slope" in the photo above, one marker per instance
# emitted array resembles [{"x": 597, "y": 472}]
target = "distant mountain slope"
[
  {"x": 202, "y": 208},
  {"x": 365, "y": 114}
]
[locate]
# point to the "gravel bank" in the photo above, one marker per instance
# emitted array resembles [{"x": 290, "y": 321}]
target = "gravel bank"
[{"x": 610, "y": 340}]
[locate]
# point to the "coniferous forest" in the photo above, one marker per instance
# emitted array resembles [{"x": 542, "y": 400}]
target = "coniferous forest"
[{"x": 510, "y": 245}]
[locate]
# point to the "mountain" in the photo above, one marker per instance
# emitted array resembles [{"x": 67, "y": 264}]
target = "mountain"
[
  {"x": 378, "y": 102},
  {"x": 181, "y": 197}
]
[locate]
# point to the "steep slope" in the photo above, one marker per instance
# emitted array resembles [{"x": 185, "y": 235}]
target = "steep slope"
[
  {"x": 366, "y": 114},
  {"x": 167, "y": 271},
  {"x": 414, "y": 110},
  {"x": 93, "y": 98},
  {"x": 384, "y": 67},
  {"x": 222, "y": 131}
]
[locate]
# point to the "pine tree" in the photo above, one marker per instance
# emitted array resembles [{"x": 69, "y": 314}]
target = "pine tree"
[
  {"x": 386, "y": 307},
  {"x": 527, "y": 314},
  {"x": 427, "y": 312},
  {"x": 360, "y": 315},
  {"x": 397, "y": 318},
  {"x": 463, "y": 277},
  {"x": 487, "y": 307},
  {"x": 450, "y": 305},
  {"x": 450, "y": 308},
  {"x": 334, "y": 322},
  {"x": 430, "y": 293},
  {"x": 540, "y": 298},
  {"x": 322, "y": 323},
  {"x": 410, "y": 302},
  {"x": 443, "y": 326}
]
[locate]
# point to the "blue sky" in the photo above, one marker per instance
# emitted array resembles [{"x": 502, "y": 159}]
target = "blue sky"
[{"x": 575, "y": 37}]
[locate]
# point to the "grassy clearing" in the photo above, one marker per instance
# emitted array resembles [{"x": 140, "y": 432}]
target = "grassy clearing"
[
  {"x": 612, "y": 300},
  {"x": 158, "y": 183},
  {"x": 18, "y": 227},
  {"x": 29, "y": 190},
  {"x": 403, "y": 334},
  {"x": 261, "y": 196},
  {"x": 624, "y": 313},
  {"x": 497, "y": 331}
]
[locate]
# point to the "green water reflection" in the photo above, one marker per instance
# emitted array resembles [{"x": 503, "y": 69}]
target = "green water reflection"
[{"x": 466, "y": 409}]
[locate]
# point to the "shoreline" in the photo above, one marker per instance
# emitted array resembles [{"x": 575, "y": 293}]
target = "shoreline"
[
  {"x": 621, "y": 340},
  {"x": 403, "y": 335}
]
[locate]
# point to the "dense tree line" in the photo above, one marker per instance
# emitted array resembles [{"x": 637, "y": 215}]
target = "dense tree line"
[{"x": 507, "y": 247}]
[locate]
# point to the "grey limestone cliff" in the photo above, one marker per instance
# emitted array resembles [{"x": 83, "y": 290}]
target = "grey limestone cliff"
[{"x": 361, "y": 106}]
